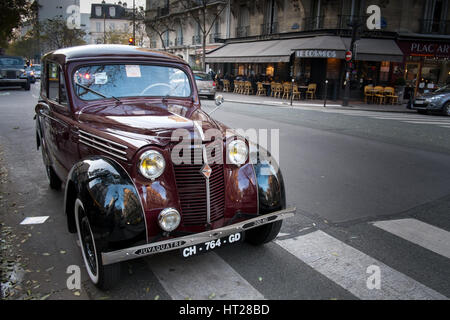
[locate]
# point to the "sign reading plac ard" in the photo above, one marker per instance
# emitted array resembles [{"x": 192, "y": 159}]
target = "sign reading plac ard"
[{"x": 316, "y": 53}]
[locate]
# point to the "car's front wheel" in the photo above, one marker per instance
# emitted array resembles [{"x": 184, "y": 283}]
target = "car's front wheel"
[
  {"x": 263, "y": 234},
  {"x": 447, "y": 109},
  {"x": 53, "y": 179},
  {"x": 104, "y": 277}
]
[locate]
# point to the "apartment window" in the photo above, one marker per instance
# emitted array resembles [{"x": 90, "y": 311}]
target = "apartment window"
[
  {"x": 112, "y": 11},
  {"x": 435, "y": 17},
  {"x": 243, "y": 22},
  {"x": 98, "y": 11},
  {"x": 98, "y": 27}
]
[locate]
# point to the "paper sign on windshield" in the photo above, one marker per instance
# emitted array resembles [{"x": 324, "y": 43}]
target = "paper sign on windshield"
[
  {"x": 133, "y": 71},
  {"x": 101, "y": 78}
]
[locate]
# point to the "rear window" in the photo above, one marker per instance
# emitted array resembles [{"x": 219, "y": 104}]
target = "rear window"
[
  {"x": 203, "y": 77},
  {"x": 12, "y": 61}
]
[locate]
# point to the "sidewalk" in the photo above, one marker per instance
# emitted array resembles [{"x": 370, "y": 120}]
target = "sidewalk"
[{"x": 353, "y": 105}]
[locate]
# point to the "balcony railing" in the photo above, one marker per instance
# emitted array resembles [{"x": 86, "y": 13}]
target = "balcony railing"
[
  {"x": 196, "y": 39},
  {"x": 179, "y": 41},
  {"x": 213, "y": 37},
  {"x": 268, "y": 28},
  {"x": 242, "y": 31},
  {"x": 435, "y": 26},
  {"x": 345, "y": 21},
  {"x": 314, "y": 23}
]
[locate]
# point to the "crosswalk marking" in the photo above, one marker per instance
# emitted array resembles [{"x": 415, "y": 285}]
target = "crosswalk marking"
[
  {"x": 420, "y": 233},
  {"x": 202, "y": 277},
  {"x": 347, "y": 267}
]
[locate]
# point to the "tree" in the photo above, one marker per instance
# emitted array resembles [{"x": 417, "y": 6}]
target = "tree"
[
  {"x": 159, "y": 24},
  {"x": 13, "y": 13},
  {"x": 55, "y": 34},
  {"x": 205, "y": 13}
]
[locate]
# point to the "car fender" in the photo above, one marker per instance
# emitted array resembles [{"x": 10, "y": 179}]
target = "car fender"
[
  {"x": 111, "y": 202},
  {"x": 271, "y": 191}
]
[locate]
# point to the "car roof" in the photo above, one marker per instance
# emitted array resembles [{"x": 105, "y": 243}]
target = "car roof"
[{"x": 106, "y": 51}]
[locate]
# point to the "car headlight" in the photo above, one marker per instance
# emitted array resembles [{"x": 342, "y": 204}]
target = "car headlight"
[
  {"x": 237, "y": 152},
  {"x": 152, "y": 164},
  {"x": 169, "y": 219}
]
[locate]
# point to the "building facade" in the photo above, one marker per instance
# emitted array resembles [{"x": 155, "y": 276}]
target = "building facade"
[
  {"x": 307, "y": 40},
  {"x": 113, "y": 24}
]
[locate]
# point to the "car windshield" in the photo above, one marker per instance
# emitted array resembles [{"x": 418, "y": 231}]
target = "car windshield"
[
  {"x": 203, "y": 77},
  {"x": 36, "y": 68},
  {"x": 120, "y": 80},
  {"x": 11, "y": 61}
]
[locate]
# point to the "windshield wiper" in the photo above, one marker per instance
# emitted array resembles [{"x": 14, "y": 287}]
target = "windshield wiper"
[{"x": 95, "y": 92}]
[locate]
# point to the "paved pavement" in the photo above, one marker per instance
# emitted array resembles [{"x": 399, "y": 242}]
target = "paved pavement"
[
  {"x": 314, "y": 104},
  {"x": 372, "y": 192}
]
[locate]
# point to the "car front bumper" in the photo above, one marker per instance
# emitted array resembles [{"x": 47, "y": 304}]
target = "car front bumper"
[
  {"x": 190, "y": 240},
  {"x": 12, "y": 82}
]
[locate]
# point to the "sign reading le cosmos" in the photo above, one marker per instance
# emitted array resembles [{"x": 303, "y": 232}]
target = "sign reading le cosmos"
[
  {"x": 160, "y": 247},
  {"x": 316, "y": 53}
]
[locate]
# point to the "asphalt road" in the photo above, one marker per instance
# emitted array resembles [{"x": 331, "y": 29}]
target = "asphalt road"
[{"x": 372, "y": 191}]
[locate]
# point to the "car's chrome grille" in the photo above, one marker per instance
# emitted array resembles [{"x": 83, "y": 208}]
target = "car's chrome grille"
[
  {"x": 11, "y": 75},
  {"x": 107, "y": 146},
  {"x": 192, "y": 192}
]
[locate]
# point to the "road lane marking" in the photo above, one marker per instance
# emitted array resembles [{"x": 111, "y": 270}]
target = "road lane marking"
[
  {"x": 200, "y": 277},
  {"x": 426, "y": 122},
  {"x": 347, "y": 267},
  {"x": 34, "y": 220},
  {"x": 420, "y": 233}
]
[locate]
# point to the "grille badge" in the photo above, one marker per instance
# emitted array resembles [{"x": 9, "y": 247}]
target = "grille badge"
[{"x": 206, "y": 170}]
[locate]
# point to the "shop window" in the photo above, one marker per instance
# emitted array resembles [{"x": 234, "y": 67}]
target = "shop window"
[
  {"x": 270, "y": 70},
  {"x": 384, "y": 71}
]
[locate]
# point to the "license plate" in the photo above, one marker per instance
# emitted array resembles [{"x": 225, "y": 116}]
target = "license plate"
[
  {"x": 211, "y": 245},
  {"x": 418, "y": 102},
  {"x": 204, "y": 91}
]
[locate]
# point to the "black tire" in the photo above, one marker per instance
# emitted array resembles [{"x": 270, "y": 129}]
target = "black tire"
[
  {"x": 211, "y": 97},
  {"x": 263, "y": 234},
  {"x": 422, "y": 111},
  {"x": 27, "y": 86},
  {"x": 103, "y": 277},
  {"x": 446, "y": 109}
]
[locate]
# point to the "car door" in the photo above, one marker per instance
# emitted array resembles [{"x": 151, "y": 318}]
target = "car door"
[{"x": 59, "y": 121}]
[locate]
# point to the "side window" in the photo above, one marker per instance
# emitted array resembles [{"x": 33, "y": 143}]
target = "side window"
[
  {"x": 56, "y": 84},
  {"x": 53, "y": 82},
  {"x": 44, "y": 81}
]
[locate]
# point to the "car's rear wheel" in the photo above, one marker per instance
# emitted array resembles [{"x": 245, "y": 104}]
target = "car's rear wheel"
[
  {"x": 263, "y": 234},
  {"x": 104, "y": 277}
]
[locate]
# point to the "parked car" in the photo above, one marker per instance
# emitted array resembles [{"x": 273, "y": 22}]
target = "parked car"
[
  {"x": 438, "y": 100},
  {"x": 12, "y": 72},
  {"x": 37, "y": 70},
  {"x": 205, "y": 84},
  {"x": 106, "y": 123}
]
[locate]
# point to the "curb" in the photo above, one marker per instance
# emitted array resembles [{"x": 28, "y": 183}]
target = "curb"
[{"x": 406, "y": 111}]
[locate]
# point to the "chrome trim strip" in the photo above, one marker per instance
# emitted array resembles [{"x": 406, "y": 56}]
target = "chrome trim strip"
[
  {"x": 186, "y": 241},
  {"x": 106, "y": 140},
  {"x": 103, "y": 150},
  {"x": 208, "y": 192},
  {"x": 101, "y": 144}
]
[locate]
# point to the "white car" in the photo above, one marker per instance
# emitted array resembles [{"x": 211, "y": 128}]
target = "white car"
[{"x": 205, "y": 84}]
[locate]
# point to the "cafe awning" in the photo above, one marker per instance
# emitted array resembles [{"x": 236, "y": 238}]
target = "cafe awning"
[
  {"x": 376, "y": 50},
  {"x": 253, "y": 52}
]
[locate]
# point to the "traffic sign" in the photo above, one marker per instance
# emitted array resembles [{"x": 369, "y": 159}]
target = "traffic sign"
[{"x": 348, "y": 56}]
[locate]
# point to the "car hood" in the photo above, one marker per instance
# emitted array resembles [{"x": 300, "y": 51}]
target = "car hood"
[
  {"x": 431, "y": 95},
  {"x": 145, "y": 123}
]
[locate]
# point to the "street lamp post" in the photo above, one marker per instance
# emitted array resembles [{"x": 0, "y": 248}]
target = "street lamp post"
[{"x": 134, "y": 23}]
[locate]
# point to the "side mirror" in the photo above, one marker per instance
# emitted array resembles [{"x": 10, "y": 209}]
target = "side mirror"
[{"x": 219, "y": 100}]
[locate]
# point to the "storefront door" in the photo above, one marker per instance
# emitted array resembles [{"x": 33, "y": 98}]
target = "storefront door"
[{"x": 412, "y": 75}]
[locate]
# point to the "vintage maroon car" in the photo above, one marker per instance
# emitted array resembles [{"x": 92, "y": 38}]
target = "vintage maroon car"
[{"x": 105, "y": 123}]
